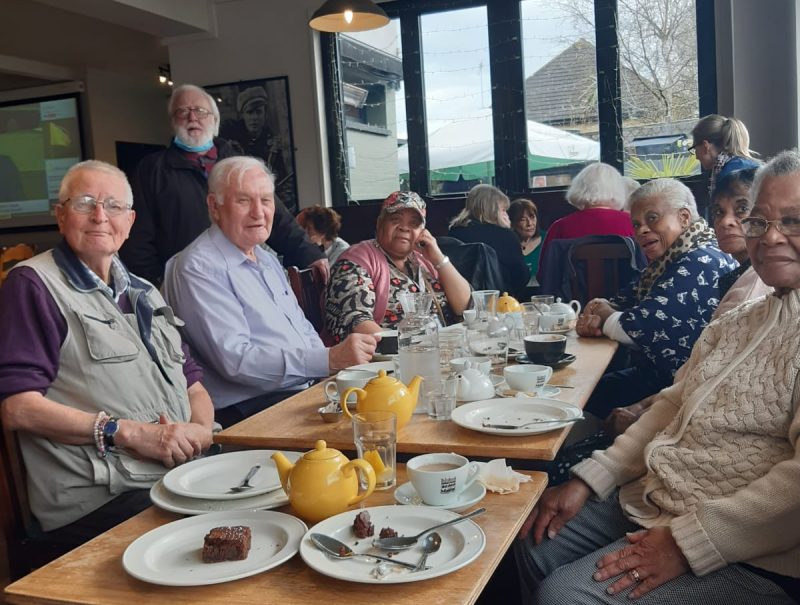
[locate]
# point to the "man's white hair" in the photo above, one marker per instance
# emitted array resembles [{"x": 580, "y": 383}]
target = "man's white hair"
[{"x": 64, "y": 189}]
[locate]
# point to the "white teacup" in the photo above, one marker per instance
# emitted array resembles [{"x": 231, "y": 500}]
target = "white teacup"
[
  {"x": 527, "y": 378},
  {"x": 482, "y": 364},
  {"x": 440, "y": 478},
  {"x": 553, "y": 322},
  {"x": 347, "y": 379}
]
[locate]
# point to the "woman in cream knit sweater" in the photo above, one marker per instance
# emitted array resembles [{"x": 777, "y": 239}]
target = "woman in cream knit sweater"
[{"x": 699, "y": 500}]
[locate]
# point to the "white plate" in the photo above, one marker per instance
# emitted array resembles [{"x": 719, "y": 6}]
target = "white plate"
[
  {"x": 170, "y": 555},
  {"x": 163, "y": 498},
  {"x": 559, "y": 331},
  {"x": 406, "y": 494},
  {"x": 210, "y": 478},
  {"x": 515, "y": 410},
  {"x": 461, "y": 544},
  {"x": 374, "y": 366},
  {"x": 547, "y": 392}
]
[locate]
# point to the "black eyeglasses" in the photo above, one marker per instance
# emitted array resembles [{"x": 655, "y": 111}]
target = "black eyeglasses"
[
  {"x": 85, "y": 204},
  {"x": 754, "y": 226},
  {"x": 199, "y": 112}
]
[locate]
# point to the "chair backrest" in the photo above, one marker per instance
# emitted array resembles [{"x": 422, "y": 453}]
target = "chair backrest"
[
  {"x": 476, "y": 262},
  {"x": 600, "y": 269},
  {"x": 309, "y": 290},
  {"x": 15, "y": 513},
  {"x": 11, "y": 256}
]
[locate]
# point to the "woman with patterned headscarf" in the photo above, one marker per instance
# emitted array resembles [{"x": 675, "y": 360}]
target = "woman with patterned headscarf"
[
  {"x": 365, "y": 281},
  {"x": 660, "y": 315}
]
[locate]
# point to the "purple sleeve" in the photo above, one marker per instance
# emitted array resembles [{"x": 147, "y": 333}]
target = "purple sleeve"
[
  {"x": 191, "y": 369},
  {"x": 32, "y": 331}
]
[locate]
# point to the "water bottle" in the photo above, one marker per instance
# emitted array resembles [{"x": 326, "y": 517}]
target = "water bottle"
[{"x": 418, "y": 346}]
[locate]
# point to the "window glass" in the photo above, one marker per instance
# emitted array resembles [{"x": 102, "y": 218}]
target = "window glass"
[
  {"x": 560, "y": 89},
  {"x": 374, "y": 109},
  {"x": 658, "y": 81},
  {"x": 458, "y": 99}
]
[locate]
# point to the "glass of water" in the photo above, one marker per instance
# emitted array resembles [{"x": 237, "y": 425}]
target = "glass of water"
[
  {"x": 375, "y": 437},
  {"x": 444, "y": 400}
]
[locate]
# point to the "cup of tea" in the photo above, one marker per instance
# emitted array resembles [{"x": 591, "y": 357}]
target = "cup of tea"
[
  {"x": 553, "y": 322},
  {"x": 545, "y": 348},
  {"x": 440, "y": 478},
  {"x": 527, "y": 378},
  {"x": 347, "y": 379}
]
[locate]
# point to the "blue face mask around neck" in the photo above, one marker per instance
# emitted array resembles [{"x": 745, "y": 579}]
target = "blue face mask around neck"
[{"x": 193, "y": 148}]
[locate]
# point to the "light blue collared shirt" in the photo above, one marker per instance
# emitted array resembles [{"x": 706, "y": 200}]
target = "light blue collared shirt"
[{"x": 242, "y": 320}]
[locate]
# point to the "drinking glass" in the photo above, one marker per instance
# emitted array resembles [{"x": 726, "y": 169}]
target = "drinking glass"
[
  {"x": 530, "y": 319},
  {"x": 542, "y": 302},
  {"x": 485, "y": 303},
  {"x": 375, "y": 436},
  {"x": 451, "y": 346},
  {"x": 444, "y": 401},
  {"x": 491, "y": 341}
]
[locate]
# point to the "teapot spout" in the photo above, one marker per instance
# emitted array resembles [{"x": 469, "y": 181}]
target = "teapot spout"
[
  {"x": 284, "y": 468},
  {"x": 413, "y": 388}
]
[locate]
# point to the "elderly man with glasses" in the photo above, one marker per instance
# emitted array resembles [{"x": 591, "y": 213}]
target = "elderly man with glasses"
[
  {"x": 170, "y": 188},
  {"x": 93, "y": 375}
]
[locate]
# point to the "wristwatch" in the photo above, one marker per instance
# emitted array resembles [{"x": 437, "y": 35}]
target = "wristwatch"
[{"x": 110, "y": 429}]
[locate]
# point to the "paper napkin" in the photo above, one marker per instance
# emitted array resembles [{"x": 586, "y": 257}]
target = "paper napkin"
[{"x": 497, "y": 476}]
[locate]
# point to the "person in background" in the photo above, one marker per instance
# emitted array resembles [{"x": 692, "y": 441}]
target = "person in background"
[
  {"x": 404, "y": 256},
  {"x": 697, "y": 502},
  {"x": 599, "y": 194},
  {"x": 170, "y": 188},
  {"x": 242, "y": 318},
  {"x": 659, "y": 316},
  {"x": 93, "y": 375},
  {"x": 485, "y": 219},
  {"x": 524, "y": 219},
  {"x": 322, "y": 227},
  {"x": 721, "y": 145}
]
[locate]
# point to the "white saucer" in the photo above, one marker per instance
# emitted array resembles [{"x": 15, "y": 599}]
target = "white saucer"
[
  {"x": 406, "y": 494},
  {"x": 548, "y": 391}
]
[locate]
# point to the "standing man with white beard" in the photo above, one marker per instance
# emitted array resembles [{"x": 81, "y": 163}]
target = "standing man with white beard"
[{"x": 170, "y": 189}]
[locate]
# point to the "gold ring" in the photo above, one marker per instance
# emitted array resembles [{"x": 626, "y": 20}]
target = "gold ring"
[{"x": 635, "y": 575}]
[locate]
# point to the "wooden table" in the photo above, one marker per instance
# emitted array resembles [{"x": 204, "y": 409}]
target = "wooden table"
[
  {"x": 295, "y": 423},
  {"x": 93, "y": 574}
]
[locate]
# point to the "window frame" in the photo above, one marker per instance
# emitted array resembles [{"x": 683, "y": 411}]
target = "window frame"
[{"x": 508, "y": 90}]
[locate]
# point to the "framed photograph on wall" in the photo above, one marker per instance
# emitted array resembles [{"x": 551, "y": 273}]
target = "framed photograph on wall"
[{"x": 255, "y": 117}]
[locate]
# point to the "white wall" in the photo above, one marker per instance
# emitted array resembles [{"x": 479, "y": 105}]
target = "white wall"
[{"x": 255, "y": 40}]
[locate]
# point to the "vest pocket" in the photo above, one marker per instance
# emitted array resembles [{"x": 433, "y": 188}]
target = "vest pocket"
[
  {"x": 166, "y": 324},
  {"x": 106, "y": 339}
]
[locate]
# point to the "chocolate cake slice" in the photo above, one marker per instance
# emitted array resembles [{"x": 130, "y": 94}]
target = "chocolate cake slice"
[
  {"x": 362, "y": 527},
  {"x": 226, "y": 544}
]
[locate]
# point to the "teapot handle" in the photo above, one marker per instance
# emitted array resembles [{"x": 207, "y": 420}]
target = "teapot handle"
[
  {"x": 369, "y": 472},
  {"x": 573, "y": 304},
  {"x": 343, "y": 399}
]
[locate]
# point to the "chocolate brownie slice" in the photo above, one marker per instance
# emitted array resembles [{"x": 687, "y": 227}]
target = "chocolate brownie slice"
[{"x": 227, "y": 544}]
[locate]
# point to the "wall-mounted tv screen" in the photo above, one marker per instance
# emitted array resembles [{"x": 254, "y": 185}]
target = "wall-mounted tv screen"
[{"x": 39, "y": 140}]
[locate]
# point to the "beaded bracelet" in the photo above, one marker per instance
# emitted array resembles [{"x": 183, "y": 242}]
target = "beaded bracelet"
[{"x": 97, "y": 432}]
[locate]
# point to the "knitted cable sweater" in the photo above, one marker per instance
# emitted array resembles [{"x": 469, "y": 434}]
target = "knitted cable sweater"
[{"x": 717, "y": 456}]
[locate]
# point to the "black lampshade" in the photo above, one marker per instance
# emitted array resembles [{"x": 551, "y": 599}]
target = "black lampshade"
[{"x": 330, "y": 17}]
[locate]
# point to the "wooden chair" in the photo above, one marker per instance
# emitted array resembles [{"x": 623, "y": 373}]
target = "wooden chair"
[
  {"x": 600, "y": 270},
  {"x": 11, "y": 256},
  {"x": 310, "y": 292}
]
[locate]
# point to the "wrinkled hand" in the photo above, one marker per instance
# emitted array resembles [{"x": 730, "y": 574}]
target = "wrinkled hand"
[
  {"x": 168, "y": 442},
  {"x": 620, "y": 419},
  {"x": 322, "y": 269},
  {"x": 589, "y": 325},
  {"x": 355, "y": 349},
  {"x": 556, "y": 506},
  {"x": 427, "y": 245},
  {"x": 651, "y": 559}
]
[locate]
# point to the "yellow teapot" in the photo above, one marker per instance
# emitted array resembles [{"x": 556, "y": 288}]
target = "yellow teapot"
[
  {"x": 388, "y": 394},
  {"x": 507, "y": 304},
  {"x": 323, "y": 482}
]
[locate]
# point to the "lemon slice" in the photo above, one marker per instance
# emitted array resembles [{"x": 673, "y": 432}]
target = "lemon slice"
[{"x": 374, "y": 458}]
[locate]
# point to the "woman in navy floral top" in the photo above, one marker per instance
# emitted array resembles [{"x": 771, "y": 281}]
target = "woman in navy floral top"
[{"x": 659, "y": 316}]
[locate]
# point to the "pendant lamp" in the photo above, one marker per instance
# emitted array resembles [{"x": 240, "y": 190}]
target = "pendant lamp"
[{"x": 348, "y": 16}]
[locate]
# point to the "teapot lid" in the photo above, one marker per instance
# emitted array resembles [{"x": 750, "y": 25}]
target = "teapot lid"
[
  {"x": 321, "y": 451},
  {"x": 383, "y": 380}
]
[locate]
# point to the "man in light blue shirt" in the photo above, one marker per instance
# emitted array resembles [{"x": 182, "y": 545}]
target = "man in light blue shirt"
[{"x": 242, "y": 318}]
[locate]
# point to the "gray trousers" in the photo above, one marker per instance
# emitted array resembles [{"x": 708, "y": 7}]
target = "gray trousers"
[{"x": 559, "y": 571}]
